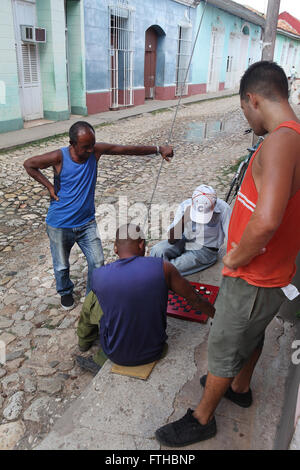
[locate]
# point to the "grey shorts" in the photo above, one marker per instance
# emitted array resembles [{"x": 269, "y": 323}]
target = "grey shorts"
[{"x": 242, "y": 314}]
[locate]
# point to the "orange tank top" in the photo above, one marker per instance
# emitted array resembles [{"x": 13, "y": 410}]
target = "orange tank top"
[{"x": 276, "y": 267}]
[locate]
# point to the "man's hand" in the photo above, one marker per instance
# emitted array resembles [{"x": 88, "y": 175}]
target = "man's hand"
[
  {"x": 182, "y": 287},
  {"x": 231, "y": 258},
  {"x": 33, "y": 165},
  {"x": 166, "y": 152},
  {"x": 228, "y": 259},
  {"x": 52, "y": 193},
  {"x": 204, "y": 306}
]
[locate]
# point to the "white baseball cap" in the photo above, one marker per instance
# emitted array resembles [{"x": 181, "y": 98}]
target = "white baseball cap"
[{"x": 203, "y": 203}]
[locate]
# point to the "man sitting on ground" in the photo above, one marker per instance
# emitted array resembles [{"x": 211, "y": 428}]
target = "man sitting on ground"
[
  {"x": 197, "y": 232},
  {"x": 133, "y": 294}
]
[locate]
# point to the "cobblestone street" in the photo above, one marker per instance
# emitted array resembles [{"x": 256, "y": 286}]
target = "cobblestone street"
[{"x": 40, "y": 378}]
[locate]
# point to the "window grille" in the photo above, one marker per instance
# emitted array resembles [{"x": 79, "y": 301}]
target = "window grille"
[
  {"x": 121, "y": 49},
  {"x": 183, "y": 58}
]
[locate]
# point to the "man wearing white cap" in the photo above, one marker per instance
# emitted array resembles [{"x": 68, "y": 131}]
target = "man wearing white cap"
[{"x": 197, "y": 232}]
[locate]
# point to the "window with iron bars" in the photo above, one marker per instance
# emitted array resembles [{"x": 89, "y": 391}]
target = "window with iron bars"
[
  {"x": 121, "y": 49},
  {"x": 183, "y": 58}
]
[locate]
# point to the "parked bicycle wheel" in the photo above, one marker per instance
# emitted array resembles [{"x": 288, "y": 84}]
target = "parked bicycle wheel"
[
  {"x": 236, "y": 182},
  {"x": 239, "y": 176},
  {"x": 230, "y": 195}
]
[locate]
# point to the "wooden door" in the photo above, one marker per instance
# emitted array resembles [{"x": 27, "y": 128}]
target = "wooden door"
[{"x": 150, "y": 63}]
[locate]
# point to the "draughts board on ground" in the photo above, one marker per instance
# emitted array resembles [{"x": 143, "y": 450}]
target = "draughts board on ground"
[{"x": 179, "y": 307}]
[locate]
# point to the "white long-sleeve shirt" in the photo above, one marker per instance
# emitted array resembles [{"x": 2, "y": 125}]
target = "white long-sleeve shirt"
[{"x": 211, "y": 235}]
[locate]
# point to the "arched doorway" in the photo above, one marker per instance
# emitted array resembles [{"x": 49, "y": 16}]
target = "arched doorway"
[{"x": 150, "y": 62}]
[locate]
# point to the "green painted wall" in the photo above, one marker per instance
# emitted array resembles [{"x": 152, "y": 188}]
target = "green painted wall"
[
  {"x": 76, "y": 53},
  {"x": 50, "y": 15},
  {"x": 280, "y": 41},
  {"x": 231, "y": 24},
  {"x": 10, "y": 111}
]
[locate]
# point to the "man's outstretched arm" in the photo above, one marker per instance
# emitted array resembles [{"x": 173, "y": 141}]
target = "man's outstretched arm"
[
  {"x": 102, "y": 148},
  {"x": 182, "y": 287}
]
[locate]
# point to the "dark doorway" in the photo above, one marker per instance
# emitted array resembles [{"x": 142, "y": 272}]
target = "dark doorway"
[{"x": 150, "y": 63}]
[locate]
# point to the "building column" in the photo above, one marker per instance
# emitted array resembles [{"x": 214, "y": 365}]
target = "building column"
[
  {"x": 51, "y": 16},
  {"x": 10, "y": 110},
  {"x": 76, "y": 54}
]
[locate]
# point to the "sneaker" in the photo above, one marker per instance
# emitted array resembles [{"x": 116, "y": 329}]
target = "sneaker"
[
  {"x": 67, "y": 301},
  {"x": 185, "y": 431},
  {"x": 240, "y": 399},
  {"x": 88, "y": 363}
]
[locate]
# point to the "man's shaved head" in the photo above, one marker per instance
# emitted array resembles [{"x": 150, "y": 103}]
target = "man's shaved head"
[{"x": 129, "y": 237}]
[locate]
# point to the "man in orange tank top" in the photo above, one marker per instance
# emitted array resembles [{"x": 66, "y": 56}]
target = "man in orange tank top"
[{"x": 263, "y": 242}]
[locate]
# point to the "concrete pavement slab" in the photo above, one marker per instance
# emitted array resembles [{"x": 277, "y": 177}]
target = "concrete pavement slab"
[
  {"x": 122, "y": 413},
  {"x": 127, "y": 411}
]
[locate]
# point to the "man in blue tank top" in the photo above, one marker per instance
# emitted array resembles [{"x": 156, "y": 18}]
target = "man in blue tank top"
[
  {"x": 133, "y": 295},
  {"x": 71, "y": 215}
]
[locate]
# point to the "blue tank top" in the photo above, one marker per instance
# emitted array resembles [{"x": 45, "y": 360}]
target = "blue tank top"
[
  {"x": 75, "y": 187},
  {"x": 133, "y": 295}
]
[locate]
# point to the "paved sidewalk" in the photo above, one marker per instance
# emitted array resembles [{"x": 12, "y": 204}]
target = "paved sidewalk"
[
  {"x": 24, "y": 136},
  {"x": 122, "y": 413},
  {"x": 116, "y": 412}
]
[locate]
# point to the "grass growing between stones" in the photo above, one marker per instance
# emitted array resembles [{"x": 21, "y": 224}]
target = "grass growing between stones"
[
  {"x": 159, "y": 111},
  {"x": 227, "y": 170}
]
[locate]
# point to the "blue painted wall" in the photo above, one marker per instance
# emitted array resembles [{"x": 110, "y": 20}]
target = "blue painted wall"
[{"x": 166, "y": 14}]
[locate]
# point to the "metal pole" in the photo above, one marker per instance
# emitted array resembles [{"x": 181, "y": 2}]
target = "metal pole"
[
  {"x": 269, "y": 38},
  {"x": 270, "y": 30}
]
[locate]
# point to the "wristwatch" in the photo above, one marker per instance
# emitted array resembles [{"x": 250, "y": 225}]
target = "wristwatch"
[{"x": 157, "y": 150}]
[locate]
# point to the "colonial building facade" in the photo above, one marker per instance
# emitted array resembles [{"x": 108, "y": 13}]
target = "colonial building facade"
[
  {"x": 63, "y": 57},
  {"x": 229, "y": 41}
]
